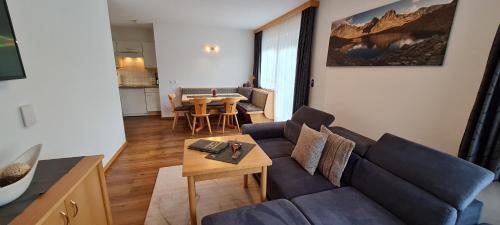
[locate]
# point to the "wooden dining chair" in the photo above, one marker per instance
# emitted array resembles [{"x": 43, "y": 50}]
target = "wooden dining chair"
[
  {"x": 179, "y": 111},
  {"x": 229, "y": 113},
  {"x": 200, "y": 111}
]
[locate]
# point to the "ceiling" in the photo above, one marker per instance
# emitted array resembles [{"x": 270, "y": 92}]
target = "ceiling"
[{"x": 244, "y": 14}]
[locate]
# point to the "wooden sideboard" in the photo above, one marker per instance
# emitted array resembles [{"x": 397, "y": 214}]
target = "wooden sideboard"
[{"x": 80, "y": 197}]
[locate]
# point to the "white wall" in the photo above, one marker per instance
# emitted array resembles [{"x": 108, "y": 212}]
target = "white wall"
[
  {"x": 182, "y": 61},
  {"x": 71, "y": 81},
  {"x": 429, "y": 105},
  {"x": 141, "y": 34}
]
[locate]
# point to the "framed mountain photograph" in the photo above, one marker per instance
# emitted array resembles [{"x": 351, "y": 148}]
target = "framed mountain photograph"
[
  {"x": 11, "y": 66},
  {"x": 404, "y": 33}
]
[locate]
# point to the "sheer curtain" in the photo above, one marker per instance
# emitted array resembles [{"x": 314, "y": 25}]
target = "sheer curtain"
[{"x": 278, "y": 65}]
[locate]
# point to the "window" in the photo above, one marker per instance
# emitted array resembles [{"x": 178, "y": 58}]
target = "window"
[{"x": 278, "y": 65}]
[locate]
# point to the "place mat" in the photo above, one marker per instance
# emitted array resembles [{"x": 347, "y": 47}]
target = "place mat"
[
  {"x": 47, "y": 173},
  {"x": 225, "y": 155}
]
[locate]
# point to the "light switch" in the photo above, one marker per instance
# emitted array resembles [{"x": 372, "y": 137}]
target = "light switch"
[{"x": 28, "y": 115}]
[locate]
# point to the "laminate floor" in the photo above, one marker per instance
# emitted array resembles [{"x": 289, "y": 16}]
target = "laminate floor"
[{"x": 151, "y": 145}]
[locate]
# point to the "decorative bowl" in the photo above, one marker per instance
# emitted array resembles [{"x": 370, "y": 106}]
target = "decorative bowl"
[{"x": 12, "y": 191}]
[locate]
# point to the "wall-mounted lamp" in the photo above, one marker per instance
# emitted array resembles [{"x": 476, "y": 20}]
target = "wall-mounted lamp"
[{"x": 212, "y": 48}]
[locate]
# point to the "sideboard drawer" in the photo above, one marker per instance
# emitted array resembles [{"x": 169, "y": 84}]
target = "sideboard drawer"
[
  {"x": 85, "y": 205},
  {"x": 59, "y": 216}
]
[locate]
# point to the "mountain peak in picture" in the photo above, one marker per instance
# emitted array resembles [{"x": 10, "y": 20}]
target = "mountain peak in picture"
[{"x": 404, "y": 33}]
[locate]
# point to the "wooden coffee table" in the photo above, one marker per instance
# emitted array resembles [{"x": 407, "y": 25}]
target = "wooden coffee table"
[{"x": 197, "y": 168}]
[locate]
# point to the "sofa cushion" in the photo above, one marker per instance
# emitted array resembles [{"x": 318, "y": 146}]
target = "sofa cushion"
[
  {"x": 276, "y": 147},
  {"x": 362, "y": 143},
  {"x": 408, "y": 202},
  {"x": 264, "y": 130},
  {"x": 292, "y": 131},
  {"x": 410, "y": 161},
  {"x": 312, "y": 117},
  {"x": 335, "y": 156},
  {"x": 245, "y": 91},
  {"x": 287, "y": 179},
  {"x": 345, "y": 180},
  {"x": 278, "y": 212},
  {"x": 307, "y": 151},
  {"x": 259, "y": 99},
  {"x": 248, "y": 107},
  {"x": 345, "y": 206},
  {"x": 471, "y": 214}
]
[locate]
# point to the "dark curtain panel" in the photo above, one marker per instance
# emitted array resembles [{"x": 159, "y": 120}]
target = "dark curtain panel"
[
  {"x": 481, "y": 141},
  {"x": 257, "y": 55},
  {"x": 303, "y": 71}
]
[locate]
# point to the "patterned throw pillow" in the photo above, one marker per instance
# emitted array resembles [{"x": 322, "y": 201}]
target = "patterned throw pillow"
[
  {"x": 335, "y": 156},
  {"x": 307, "y": 151}
]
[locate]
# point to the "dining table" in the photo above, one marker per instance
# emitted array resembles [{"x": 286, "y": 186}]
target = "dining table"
[
  {"x": 187, "y": 98},
  {"x": 214, "y": 100}
]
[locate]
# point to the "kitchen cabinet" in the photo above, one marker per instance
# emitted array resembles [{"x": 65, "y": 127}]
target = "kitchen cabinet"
[
  {"x": 133, "y": 101},
  {"x": 79, "y": 198},
  {"x": 149, "y": 54},
  {"x": 129, "y": 48},
  {"x": 152, "y": 99},
  {"x": 139, "y": 101}
]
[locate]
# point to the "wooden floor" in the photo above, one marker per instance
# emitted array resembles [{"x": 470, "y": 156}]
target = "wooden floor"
[{"x": 151, "y": 145}]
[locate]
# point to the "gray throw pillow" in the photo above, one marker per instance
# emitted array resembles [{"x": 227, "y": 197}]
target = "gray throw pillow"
[
  {"x": 335, "y": 156},
  {"x": 307, "y": 151}
]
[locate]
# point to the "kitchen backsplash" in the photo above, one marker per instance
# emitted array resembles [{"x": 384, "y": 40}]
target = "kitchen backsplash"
[{"x": 133, "y": 73}]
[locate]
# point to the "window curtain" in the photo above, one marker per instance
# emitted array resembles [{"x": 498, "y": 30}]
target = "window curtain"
[
  {"x": 303, "y": 75},
  {"x": 278, "y": 64},
  {"x": 257, "y": 52},
  {"x": 481, "y": 141}
]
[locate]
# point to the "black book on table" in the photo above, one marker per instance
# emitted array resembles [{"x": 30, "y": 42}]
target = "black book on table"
[{"x": 208, "y": 146}]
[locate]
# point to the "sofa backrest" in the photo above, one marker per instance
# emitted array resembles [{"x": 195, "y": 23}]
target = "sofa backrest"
[
  {"x": 418, "y": 184},
  {"x": 362, "y": 145},
  {"x": 313, "y": 118},
  {"x": 259, "y": 99},
  {"x": 208, "y": 90}
]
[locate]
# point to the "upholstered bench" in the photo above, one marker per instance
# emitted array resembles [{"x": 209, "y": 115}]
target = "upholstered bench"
[{"x": 255, "y": 109}]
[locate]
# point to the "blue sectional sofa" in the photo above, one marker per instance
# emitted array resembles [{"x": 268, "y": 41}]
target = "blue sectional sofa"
[{"x": 389, "y": 181}]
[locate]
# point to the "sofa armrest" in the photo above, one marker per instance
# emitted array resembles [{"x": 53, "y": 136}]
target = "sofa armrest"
[{"x": 264, "y": 130}]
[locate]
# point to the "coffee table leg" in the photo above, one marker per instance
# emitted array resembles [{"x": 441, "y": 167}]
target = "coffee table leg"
[
  {"x": 263, "y": 184},
  {"x": 192, "y": 200},
  {"x": 245, "y": 181}
]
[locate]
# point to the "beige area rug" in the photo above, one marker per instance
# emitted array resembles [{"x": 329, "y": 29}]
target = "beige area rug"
[{"x": 169, "y": 202}]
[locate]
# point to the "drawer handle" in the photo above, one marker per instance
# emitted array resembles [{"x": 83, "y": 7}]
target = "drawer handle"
[
  {"x": 66, "y": 218},
  {"x": 75, "y": 208}
]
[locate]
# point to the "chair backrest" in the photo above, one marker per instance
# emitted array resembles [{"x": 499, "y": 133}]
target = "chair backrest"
[
  {"x": 171, "y": 99},
  {"x": 230, "y": 105},
  {"x": 200, "y": 106}
]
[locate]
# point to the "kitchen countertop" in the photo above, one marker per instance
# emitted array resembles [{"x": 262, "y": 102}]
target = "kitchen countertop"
[{"x": 138, "y": 86}]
